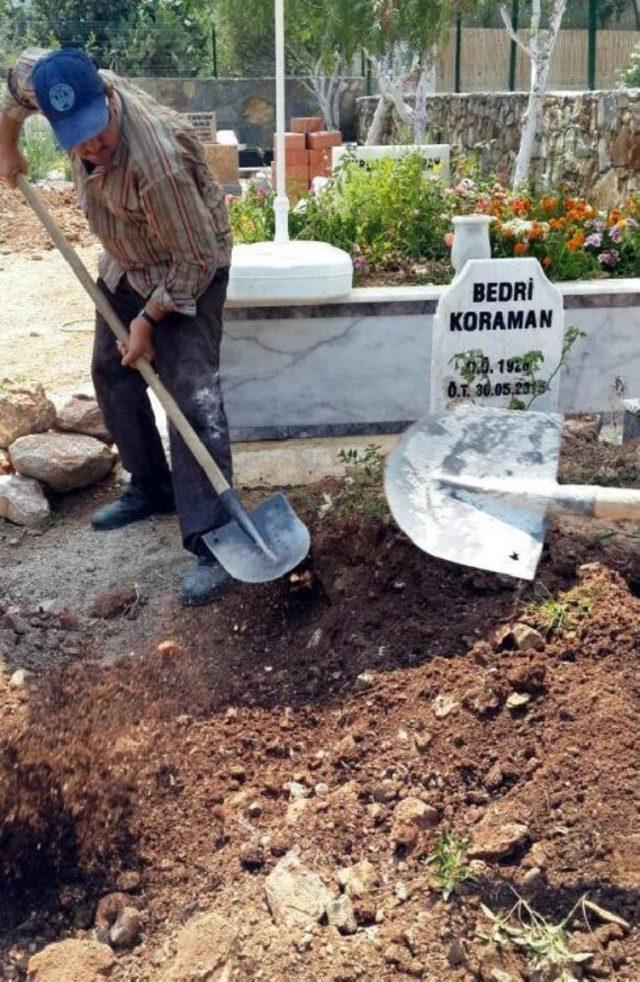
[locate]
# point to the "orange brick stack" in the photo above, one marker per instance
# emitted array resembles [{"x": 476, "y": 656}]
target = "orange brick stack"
[{"x": 308, "y": 152}]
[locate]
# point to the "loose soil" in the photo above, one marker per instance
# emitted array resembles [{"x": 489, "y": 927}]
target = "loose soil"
[
  {"x": 373, "y": 674},
  {"x": 22, "y": 231}
]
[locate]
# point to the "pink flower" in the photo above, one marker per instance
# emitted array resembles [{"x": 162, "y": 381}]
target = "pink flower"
[
  {"x": 609, "y": 258},
  {"x": 616, "y": 234},
  {"x": 594, "y": 240}
]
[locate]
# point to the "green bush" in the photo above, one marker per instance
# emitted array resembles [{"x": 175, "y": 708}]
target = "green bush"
[
  {"x": 41, "y": 150},
  {"x": 386, "y": 215}
]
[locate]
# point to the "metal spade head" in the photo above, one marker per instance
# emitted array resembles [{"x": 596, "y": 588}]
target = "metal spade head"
[
  {"x": 500, "y": 533},
  {"x": 285, "y": 542}
]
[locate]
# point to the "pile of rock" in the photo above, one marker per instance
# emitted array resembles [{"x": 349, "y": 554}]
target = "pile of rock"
[{"x": 42, "y": 448}]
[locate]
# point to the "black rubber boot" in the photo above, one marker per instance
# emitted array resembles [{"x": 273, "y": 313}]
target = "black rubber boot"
[
  {"x": 205, "y": 582},
  {"x": 130, "y": 507}
]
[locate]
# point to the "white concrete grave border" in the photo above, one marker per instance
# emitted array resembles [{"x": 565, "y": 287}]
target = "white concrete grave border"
[{"x": 362, "y": 364}]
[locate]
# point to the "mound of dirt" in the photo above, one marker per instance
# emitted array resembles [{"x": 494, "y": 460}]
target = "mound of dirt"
[
  {"x": 353, "y": 714},
  {"x": 22, "y": 231}
]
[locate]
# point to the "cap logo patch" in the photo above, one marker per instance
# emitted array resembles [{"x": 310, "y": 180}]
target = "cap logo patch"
[{"x": 62, "y": 97}]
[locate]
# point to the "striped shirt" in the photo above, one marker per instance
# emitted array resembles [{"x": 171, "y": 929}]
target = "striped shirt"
[{"x": 159, "y": 214}]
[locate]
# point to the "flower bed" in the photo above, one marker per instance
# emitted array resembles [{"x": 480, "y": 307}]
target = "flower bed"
[{"x": 396, "y": 223}]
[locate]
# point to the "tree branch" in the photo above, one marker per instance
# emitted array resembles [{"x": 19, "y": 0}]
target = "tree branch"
[{"x": 508, "y": 23}]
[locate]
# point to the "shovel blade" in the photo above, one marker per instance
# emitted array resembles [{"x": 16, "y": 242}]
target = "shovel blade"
[
  {"x": 489, "y": 532},
  {"x": 287, "y": 540}
]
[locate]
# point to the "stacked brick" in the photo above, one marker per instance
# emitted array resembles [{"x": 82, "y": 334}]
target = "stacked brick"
[{"x": 308, "y": 152}]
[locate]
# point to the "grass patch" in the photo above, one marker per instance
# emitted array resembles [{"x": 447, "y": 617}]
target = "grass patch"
[
  {"x": 556, "y": 615},
  {"x": 547, "y": 946},
  {"x": 361, "y": 489},
  {"x": 451, "y": 867}
]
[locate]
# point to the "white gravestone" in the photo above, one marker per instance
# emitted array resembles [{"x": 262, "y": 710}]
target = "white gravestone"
[{"x": 497, "y": 337}]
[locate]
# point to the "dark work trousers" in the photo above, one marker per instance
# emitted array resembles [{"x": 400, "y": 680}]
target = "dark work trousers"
[{"x": 187, "y": 358}]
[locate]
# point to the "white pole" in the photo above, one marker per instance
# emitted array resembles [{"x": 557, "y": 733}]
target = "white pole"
[{"x": 281, "y": 204}]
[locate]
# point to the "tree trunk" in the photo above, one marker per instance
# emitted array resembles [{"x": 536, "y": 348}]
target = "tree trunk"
[
  {"x": 426, "y": 87},
  {"x": 530, "y": 139},
  {"x": 540, "y": 51},
  {"x": 378, "y": 123}
]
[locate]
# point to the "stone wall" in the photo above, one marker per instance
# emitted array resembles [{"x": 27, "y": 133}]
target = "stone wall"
[
  {"x": 591, "y": 138},
  {"x": 247, "y": 105}
]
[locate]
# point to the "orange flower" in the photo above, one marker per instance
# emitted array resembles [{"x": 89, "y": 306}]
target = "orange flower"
[
  {"x": 546, "y": 262},
  {"x": 574, "y": 243},
  {"x": 614, "y": 216},
  {"x": 520, "y": 249},
  {"x": 536, "y": 232},
  {"x": 589, "y": 212},
  {"x": 579, "y": 237},
  {"x": 549, "y": 203}
]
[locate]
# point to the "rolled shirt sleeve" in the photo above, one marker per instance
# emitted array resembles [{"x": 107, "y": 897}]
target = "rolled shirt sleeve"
[
  {"x": 20, "y": 100},
  {"x": 179, "y": 218}
]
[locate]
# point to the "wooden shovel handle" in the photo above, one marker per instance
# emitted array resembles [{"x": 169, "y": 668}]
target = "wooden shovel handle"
[{"x": 143, "y": 365}]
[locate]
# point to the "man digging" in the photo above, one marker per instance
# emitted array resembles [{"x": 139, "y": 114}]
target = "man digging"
[{"x": 143, "y": 183}]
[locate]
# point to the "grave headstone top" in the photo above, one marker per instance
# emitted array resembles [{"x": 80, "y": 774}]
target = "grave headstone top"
[
  {"x": 497, "y": 337},
  {"x": 205, "y": 125}
]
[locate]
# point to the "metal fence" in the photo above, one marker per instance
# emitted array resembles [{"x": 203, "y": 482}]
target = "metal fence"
[{"x": 593, "y": 49}]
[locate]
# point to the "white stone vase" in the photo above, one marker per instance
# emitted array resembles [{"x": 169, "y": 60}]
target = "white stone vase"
[{"x": 470, "y": 239}]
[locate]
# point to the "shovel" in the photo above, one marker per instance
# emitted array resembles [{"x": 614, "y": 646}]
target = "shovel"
[
  {"x": 254, "y": 547},
  {"x": 474, "y": 486}
]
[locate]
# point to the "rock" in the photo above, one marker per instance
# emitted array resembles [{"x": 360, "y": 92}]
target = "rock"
[
  {"x": 385, "y": 792},
  {"x": 422, "y": 740},
  {"x": 111, "y": 603},
  {"x": 295, "y": 894},
  {"x": 18, "y": 679},
  {"x": 23, "y": 409},
  {"x": 340, "y": 915},
  {"x": 296, "y": 790},
  {"x": 497, "y": 841},
  {"x": 62, "y": 461},
  {"x": 6, "y": 467},
  {"x": 22, "y": 501},
  {"x": 359, "y": 880},
  {"x": 534, "y": 878},
  {"x": 494, "y": 777},
  {"x": 520, "y": 637},
  {"x": 71, "y": 961},
  {"x": 81, "y": 414},
  {"x": 117, "y": 919},
  {"x": 126, "y": 929},
  {"x": 205, "y": 951},
  {"x": 364, "y": 681},
  {"x": 128, "y": 881},
  {"x": 518, "y": 700},
  {"x": 410, "y": 817},
  {"x": 443, "y": 705},
  {"x": 457, "y": 954}
]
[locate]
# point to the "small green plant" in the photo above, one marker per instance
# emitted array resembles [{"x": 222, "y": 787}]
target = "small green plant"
[
  {"x": 556, "y": 615},
  {"x": 362, "y": 487},
  {"x": 449, "y": 858},
  {"x": 474, "y": 368},
  {"x": 41, "y": 150},
  {"x": 369, "y": 461},
  {"x": 547, "y": 945}
]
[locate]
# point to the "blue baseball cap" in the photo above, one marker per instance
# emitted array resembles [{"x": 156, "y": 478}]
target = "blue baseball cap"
[{"x": 71, "y": 95}]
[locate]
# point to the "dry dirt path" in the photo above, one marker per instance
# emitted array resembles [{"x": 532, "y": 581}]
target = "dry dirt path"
[{"x": 45, "y": 321}]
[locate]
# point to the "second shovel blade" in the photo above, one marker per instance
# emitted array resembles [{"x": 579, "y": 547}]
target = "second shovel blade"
[{"x": 475, "y": 529}]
